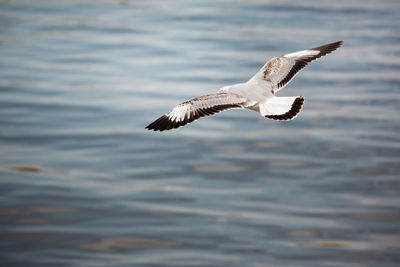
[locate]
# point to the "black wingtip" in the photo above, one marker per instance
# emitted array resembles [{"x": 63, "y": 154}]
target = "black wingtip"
[
  {"x": 292, "y": 113},
  {"x": 328, "y": 48},
  {"x": 165, "y": 123},
  {"x": 159, "y": 125},
  {"x": 337, "y": 44}
]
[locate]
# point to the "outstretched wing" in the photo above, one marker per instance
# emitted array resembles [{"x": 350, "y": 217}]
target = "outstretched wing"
[
  {"x": 195, "y": 108},
  {"x": 279, "y": 71}
]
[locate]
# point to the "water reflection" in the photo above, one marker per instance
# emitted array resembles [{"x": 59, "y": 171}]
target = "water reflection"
[
  {"x": 114, "y": 244},
  {"x": 31, "y": 169}
]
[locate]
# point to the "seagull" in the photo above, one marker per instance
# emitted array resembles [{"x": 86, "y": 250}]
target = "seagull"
[{"x": 257, "y": 94}]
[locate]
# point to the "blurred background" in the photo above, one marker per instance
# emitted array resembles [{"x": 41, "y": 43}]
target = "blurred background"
[{"x": 82, "y": 183}]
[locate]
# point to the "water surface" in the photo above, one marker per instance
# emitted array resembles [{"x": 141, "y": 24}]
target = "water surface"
[{"x": 82, "y": 183}]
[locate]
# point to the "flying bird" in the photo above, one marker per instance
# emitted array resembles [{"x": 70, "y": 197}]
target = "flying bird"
[{"x": 256, "y": 94}]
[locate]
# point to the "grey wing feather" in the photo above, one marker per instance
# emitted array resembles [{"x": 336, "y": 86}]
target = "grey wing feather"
[
  {"x": 279, "y": 71},
  {"x": 196, "y": 108}
]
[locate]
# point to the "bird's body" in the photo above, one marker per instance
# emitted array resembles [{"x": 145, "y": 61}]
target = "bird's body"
[{"x": 257, "y": 94}]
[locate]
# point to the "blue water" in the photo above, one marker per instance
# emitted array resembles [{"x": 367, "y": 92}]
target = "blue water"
[{"x": 82, "y": 183}]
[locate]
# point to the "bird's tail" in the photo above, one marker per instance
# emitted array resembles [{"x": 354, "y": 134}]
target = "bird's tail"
[{"x": 281, "y": 108}]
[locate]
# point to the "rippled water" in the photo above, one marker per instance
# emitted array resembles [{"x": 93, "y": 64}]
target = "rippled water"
[{"x": 84, "y": 184}]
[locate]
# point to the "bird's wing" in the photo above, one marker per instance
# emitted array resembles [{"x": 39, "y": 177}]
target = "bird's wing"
[
  {"x": 281, "y": 108},
  {"x": 195, "y": 108},
  {"x": 279, "y": 71}
]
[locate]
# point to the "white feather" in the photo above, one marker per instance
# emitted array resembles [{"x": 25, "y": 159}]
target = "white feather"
[
  {"x": 302, "y": 53},
  {"x": 276, "y": 105}
]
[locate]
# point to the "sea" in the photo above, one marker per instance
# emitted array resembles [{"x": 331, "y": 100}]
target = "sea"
[{"x": 83, "y": 183}]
